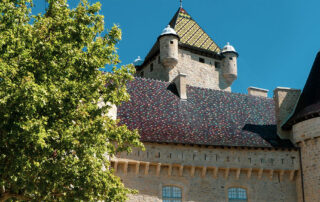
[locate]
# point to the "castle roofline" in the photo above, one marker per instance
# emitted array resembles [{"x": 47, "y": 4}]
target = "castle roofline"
[
  {"x": 192, "y": 37},
  {"x": 308, "y": 105}
]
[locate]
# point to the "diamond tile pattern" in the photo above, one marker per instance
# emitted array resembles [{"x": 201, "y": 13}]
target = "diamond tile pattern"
[{"x": 191, "y": 33}]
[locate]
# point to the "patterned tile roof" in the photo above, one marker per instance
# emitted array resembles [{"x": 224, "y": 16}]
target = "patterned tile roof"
[
  {"x": 191, "y": 33},
  {"x": 207, "y": 117},
  {"x": 191, "y": 36}
]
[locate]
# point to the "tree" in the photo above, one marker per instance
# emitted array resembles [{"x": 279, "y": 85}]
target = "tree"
[{"x": 53, "y": 136}]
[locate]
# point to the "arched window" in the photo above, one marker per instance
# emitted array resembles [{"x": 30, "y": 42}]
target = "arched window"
[
  {"x": 236, "y": 194},
  {"x": 171, "y": 194}
]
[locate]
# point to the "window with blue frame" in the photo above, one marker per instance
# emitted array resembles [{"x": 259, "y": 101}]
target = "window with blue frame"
[
  {"x": 236, "y": 194},
  {"x": 171, "y": 194}
]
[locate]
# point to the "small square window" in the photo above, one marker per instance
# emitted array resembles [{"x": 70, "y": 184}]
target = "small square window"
[
  {"x": 230, "y": 58},
  {"x": 201, "y": 60},
  {"x": 171, "y": 42},
  {"x": 217, "y": 64},
  {"x": 151, "y": 67}
]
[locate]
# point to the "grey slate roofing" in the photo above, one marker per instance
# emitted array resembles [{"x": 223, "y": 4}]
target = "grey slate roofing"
[
  {"x": 308, "y": 105},
  {"x": 207, "y": 117}
]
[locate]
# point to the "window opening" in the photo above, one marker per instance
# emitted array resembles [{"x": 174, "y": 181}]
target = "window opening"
[
  {"x": 201, "y": 60},
  {"x": 171, "y": 194},
  {"x": 236, "y": 194},
  {"x": 217, "y": 64},
  {"x": 151, "y": 67}
]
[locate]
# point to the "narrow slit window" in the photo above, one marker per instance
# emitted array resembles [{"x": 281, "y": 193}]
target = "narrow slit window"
[
  {"x": 151, "y": 67},
  {"x": 142, "y": 74}
]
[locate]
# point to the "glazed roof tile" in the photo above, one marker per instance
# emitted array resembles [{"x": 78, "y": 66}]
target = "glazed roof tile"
[
  {"x": 207, "y": 117},
  {"x": 191, "y": 33}
]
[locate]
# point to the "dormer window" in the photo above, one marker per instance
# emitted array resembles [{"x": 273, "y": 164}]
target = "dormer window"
[{"x": 201, "y": 60}]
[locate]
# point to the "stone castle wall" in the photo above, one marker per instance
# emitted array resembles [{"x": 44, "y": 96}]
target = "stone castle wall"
[
  {"x": 307, "y": 135},
  {"x": 206, "y": 173},
  {"x": 205, "y": 75}
]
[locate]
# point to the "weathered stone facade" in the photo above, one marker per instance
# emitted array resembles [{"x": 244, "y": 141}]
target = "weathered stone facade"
[
  {"x": 206, "y": 173},
  {"x": 307, "y": 135},
  {"x": 284, "y": 167},
  {"x": 207, "y": 74}
]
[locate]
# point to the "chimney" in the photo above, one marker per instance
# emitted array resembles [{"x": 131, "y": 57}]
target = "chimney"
[
  {"x": 257, "y": 92},
  {"x": 285, "y": 100},
  {"x": 181, "y": 83}
]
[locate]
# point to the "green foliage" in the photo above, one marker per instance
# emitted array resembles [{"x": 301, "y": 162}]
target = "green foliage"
[{"x": 53, "y": 136}]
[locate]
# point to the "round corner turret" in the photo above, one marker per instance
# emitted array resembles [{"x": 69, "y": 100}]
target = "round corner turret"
[
  {"x": 230, "y": 68},
  {"x": 168, "y": 41},
  {"x": 138, "y": 61}
]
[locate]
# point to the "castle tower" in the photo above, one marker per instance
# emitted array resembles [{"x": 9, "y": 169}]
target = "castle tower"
[
  {"x": 184, "y": 47},
  {"x": 169, "y": 47},
  {"x": 229, "y": 68},
  {"x": 305, "y": 126}
]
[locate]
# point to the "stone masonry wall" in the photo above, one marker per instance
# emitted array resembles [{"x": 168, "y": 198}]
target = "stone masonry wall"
[
  {"x": 205, "y": 75},
  {"x": 206, "y": 173},
  {"x": 307, "y": 135}
]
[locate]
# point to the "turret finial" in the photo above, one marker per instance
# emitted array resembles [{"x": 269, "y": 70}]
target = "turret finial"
[{"x": 180, "y": 3}]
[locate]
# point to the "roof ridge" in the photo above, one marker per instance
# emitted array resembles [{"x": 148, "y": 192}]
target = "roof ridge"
[
  {"x": 236, "y": 93},
  {"x": 150, "y": 79},
  {"x": 204, "y": 88}
]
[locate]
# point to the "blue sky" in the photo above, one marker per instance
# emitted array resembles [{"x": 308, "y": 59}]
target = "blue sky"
[{"x": 277, "y": 40}]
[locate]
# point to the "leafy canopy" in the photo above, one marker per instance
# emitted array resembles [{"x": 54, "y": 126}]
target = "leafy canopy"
[{"x": 53, "y": 135}]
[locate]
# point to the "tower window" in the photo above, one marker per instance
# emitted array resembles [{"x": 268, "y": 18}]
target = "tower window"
[
  {"x": 171, "y": 193},
  {"x": 151, "y": 67},
  {"x": 201, "y": 60},
  {"x": 217, "y": 64},
  {"x": 159, "y": 60},
  {"x": 171, "y": 42},
  {"x": 236, "y": 194},
  {"x": 141, "y": 74},
  {"x": 230, "y": 58}
]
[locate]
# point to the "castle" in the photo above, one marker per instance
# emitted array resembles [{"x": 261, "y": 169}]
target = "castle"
[{"x": 205, "y": 143}]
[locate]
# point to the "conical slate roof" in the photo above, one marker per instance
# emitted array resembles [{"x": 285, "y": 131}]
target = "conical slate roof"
[
  {"x": 191, "y": 33},
  {"x": 309, "y": 102}
]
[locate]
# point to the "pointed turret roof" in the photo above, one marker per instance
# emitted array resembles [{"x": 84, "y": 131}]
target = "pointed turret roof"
[
  {"x": 308, "y": 105},
  {"x": 191, "y": 33},
  {"x": 192, "y": 37}
]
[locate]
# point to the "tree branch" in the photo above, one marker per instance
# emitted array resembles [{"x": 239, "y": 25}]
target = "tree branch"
[{"x": 5, "y": 196}]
